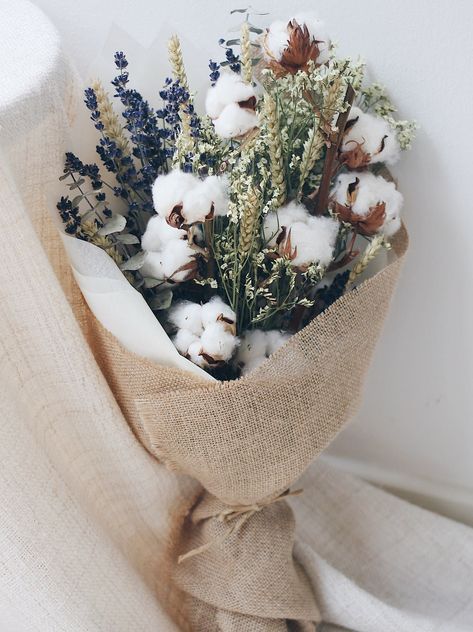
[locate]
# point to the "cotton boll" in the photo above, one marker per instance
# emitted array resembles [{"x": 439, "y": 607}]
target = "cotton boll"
[
  {"x": 216, "y": 310},
  {"x": 197, "y": 203},
  {"x": 183, "y": 340},
  {"x": 218, "y": 343},
  {"x": 153, "y": 266},
  {"x": 276, "y": 40},
  {"x": 158, "y": 233},
  {"x": 314, "y": 241},
  {"x": 186, "y": 315},
  {"x": 278, "y": 35},
  {"x": 252, "y": 364},
  {"x": 275, "y": 340},
  {"x": 284, "y": 216},
  {"x": 194, "y": 351},
  {"x": 318, "y": 33},
  {"x": 174, "y": 256},
  {"x": 218, "y": 191},
  {"x": 169, "y": 190},
  {"x": 235, "y": 121},
  {"x": 370, "y": 191},
  {"x": 253, "y": 344},
  {"x": 229, "y": 88},
  {"x": 374, "y": 136}
]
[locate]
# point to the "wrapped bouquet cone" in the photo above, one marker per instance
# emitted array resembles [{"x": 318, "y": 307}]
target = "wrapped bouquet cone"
[{"x": 247, "y": 441}]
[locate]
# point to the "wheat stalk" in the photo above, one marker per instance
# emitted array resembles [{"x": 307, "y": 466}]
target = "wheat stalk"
[
  {"x": 275, "y": 150},
  {"x": 109, "y": 118},
  {"x": 248, "y": 222},
  {"x": 89, "y": 229},
  {"x": 246, "y": 61},
  {"x": 177, "y": 62},
  {"x": 368, "y": 255},
  {"x": 312, "y": 151}
]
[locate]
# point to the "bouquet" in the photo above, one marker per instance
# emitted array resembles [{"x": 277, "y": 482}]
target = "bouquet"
[{"x": 224, "y": 257}]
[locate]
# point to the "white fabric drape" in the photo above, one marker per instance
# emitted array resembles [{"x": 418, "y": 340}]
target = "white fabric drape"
[{"x": 86, "y": 512}]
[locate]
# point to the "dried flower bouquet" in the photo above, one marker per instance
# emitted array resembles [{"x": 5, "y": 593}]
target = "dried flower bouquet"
[
  {"x": 240, "y": 226},
  {"x": 246, "y": 231}
]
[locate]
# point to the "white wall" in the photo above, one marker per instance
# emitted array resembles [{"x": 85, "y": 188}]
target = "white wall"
[{"x": 415, "y": 430}]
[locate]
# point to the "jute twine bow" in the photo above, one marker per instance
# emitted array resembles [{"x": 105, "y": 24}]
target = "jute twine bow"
[{"x": 240, "y": 514}]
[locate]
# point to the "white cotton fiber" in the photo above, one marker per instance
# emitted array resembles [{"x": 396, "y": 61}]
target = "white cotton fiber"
[
  {"x": 283, "y": 216},
  {"x": 194, "y": 352},
  {"x": 256, "y": 346},
  {"x": 312, "y": 238},
  {"x": 158, "y": 233},
  {"x": 218, "y": 343},
  {"x": 253, "y": 344},
  {"x": 252, "y": 364},
  {"x": 169, "y": 190},
  {"x": 229, "y": 88},
  {"x": 174, "y": 256},
  {"x": 186, "y": 315},
  {"x": 183, "y": 340},
  {"x": 372, "y": 132},
  {"x": 235, "y": 121},
  {"x": 153, "y": 266},
  {"x": 275, "y": 340},
  {"x": 214, "y": 309},
  {"x": 277, "y": 37},
  {"x": 206, "y": 194},
  {"x": 318, "y": 32},
  {"x": 371, "y": 190}
]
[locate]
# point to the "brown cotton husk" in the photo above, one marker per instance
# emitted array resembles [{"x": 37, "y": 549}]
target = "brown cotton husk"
[
  {"x": 300, "y": 50},
  {"x": 368, "y": 224},
  {"x": 246, "y": 442}
]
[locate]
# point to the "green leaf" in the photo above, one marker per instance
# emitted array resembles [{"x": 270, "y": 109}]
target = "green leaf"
[
  {"x": 127, "y": 238},
  {"x": 238, "y": 11},
  {"x": 135, "y": 262},
  {"x": 63, "y": 177},
  {"x": 114, "y": 225},
  {"x": 161, "y": 301},
  {"x": 233, "y": 42},
  {"x": 255, "y": 29}
]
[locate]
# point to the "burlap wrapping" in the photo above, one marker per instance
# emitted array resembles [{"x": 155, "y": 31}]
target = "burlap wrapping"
[{"x": 246, "y": 442}]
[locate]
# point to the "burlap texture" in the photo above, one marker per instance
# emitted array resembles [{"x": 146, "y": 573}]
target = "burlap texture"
[{"x": 247, "y": 441}]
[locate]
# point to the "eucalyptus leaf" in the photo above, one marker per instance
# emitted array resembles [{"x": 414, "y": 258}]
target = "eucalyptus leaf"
[
  {"x": 150, "y": 282},
  {"x": 77, "y": 200},
  {"x": 64, "y": 176},
  {"x": 127, "y": 238},
  {"x": 88, "y": 215},
  {"x": 233, "y": 42},
  {"x": 162, "y": 300},
  {"x": 135, "y": 262},
  {"x": 76, "y": 185},
  {"x": 238, "y": 11},
  {"x": 114, "y": 225},
  {"x": 255, "y": 29}
]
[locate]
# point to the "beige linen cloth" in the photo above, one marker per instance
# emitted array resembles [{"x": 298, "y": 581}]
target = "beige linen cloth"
[{"x": 86, "y": 513}]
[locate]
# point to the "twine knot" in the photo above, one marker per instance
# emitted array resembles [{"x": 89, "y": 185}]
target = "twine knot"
[{"x": 240, "y": 514}]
